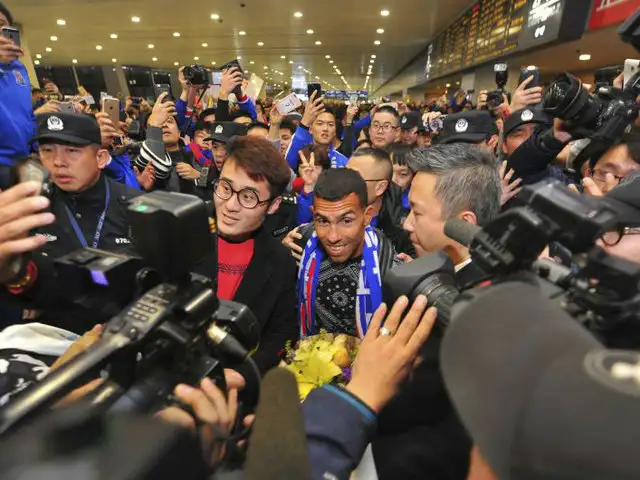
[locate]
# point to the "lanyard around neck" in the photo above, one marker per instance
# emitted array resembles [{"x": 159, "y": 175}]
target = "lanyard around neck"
[{"x": 103, "y": 215}]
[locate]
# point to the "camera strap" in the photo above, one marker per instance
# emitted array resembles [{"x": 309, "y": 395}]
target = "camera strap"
[{"x": 101, "y": 219}]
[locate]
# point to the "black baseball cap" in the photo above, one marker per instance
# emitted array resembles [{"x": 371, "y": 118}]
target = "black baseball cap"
[
  {"x": 223, "y": 131},
  {"x": 470, "y": 127},
  {"x": 539, "y": 394},
  {"x": 524, "y": 117},
  {"x": 72, "y": 128},
  {"x": 410, "y": 120}
]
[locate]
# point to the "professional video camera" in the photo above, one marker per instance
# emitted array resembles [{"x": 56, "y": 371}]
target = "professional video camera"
[
  {"x": 603, "y": 118},
  {"x": 602, "y": 293},
  {"x": 495, "y": 97},
  {"x": 174, "y": 331}
]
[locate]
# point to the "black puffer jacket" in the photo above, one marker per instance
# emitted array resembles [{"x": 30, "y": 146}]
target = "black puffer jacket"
[{"x": 390, "y": 220}]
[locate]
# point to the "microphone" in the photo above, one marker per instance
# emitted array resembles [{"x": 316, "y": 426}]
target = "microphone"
[
  {"x": 278, "y": 444},
  {"x": 537, "y": 391},
  {"x": 461, "y": 231}
]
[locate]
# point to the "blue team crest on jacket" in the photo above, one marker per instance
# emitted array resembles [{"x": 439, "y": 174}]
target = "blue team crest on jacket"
[{"x": 19, "y": 78}]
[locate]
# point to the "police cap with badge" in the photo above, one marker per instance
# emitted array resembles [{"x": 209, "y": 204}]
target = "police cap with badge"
[
  {"x": 467, "y": 127},
  {"x": 223, "y": 132},
  {"x": 67, "y": 128},
  {"x": 526, "y": 116},
  {"x": 410, "y": 120}
]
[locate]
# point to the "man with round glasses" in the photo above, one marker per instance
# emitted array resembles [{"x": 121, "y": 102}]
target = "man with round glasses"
[
  {"x": 252, "y": 267},
  {"x": 385, "y": 127}
]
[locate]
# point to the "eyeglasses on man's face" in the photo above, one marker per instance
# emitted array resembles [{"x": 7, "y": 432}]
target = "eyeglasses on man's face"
[
  {"x": 613, "y": 238},
  {"x": 247, "y": 197},
  {"x": 385, "y": 127}
]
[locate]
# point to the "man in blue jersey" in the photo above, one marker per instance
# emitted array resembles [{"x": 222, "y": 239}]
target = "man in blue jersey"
[
  {"x": 318, "y": 126},
  {"x": 17, "y": 123}
]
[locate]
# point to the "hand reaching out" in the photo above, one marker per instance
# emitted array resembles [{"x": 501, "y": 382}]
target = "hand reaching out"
[
  {"x": 509, "y": 189},
  {"x": 161, "y": 111},
  {"x": 187, "y": 172},
  {"x": 384, "y": 361},
  {"x": 309, "y": 172},
  {"x": 147, "y": 178},
  {"x": 312, "y": 109}
]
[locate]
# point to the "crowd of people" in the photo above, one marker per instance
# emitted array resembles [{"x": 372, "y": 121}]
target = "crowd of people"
[{"x": 310, "y": 212}]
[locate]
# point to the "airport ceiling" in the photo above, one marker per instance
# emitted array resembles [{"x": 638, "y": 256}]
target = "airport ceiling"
[{"x": 323, "y": 40}]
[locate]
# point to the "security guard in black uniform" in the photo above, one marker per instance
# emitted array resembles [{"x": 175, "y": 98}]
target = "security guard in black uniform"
[
  {"x": 90, "y": 208},
  {"x": 90, "y": 211}
]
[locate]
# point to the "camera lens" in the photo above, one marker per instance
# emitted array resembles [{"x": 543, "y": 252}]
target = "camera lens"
[
  {"x": 568, "y": 100},
  {"x": 441, "y": 291}
]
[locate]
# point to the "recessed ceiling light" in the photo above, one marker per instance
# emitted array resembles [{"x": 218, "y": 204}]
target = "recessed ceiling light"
[
  {"x": 53, "y": 38},
  {"x": 585, "y": 57},
  {"x": 242, "y": 32},
  {"x": 114, "y": 36},
  {"x": 377, "y": 42},
  {"x": 176, "y": 34},
  {"x": 176, "y": 63},
  {"x": 330, "y": 61},
  {"x": 252, "y": 62},
  {"x": 318, "y": 42},
  {"x": 38, "y": 55},
  {"x": 300, "y": 66},
  {"x": 135, "y": 19},
  {"x": 283, "y": 56},
  {"x": 261, "y": 44},
  {"x": 205, "y": 45},
  {"x": 310, "y": 32},
  {"x": 372, "y": 61},
  {"x": 36, "y": 62},
  {"x": 114, "y": 60},
  {"x": 380, "y": 30},
  {"x": 384, "y": 13},
  {"x": 265, "y": 67},
  {"x": 215, "y": 16},
  {"x": 74, "y": 61},
  {"x": 373, "y": 55},
  {"x": 298, "y": 15},
  {"x": 239, "y": 57},
  {"x": 317, "y": 77},
  {"x": 98, "y": 47},
  {"x": 155, "y": 59},
  {"x": 196, "y": 58},
  {"x": 150, "y": 46},
  {"x": 327, "y": 56},
  {"x": 291, "y": 62},
  {"x": 213, "y": 63},
  {"x": 61, "y": 22}
]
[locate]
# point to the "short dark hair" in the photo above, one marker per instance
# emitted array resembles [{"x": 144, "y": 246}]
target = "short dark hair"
[
  {"x": 337, "y": 183},
  {"x": 287, "y": 125},
  {"x": 239, "y": 114},
  {"x": 387, "y": 109},
  {"x": 320, "y": 155},
  {"x": 632, "y": 140},
  {"x": 467, "y": 179},
  {"x": 202, "y": 125},
  {"x": 382, "y": 159},
  {"x": 261, "y": 161},
  {"x": 399, "y": 153},
  {"x": 5, "y": 11},
  {"x": 264, "y": 126},
  {"x": 328, "y": 109},
  {"x": 206, "y": 112}
]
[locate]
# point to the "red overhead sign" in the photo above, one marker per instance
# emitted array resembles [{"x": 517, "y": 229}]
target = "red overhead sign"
[{"x": 605, "y": 13}]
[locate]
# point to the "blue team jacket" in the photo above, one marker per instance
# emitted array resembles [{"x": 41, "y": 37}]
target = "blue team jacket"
[
  {"x": 301, "y": 139},
  {"x": 181, "y": 112},
  {"x": 17, "y": 122}
]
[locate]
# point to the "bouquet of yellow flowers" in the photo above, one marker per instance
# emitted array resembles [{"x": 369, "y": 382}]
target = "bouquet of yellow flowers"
[{"x": 321, "y": 359}]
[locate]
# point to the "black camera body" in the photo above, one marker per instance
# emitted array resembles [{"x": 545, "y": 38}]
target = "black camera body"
[
  {"x": 495, "y": 97},
  {"x": 196, "y": 74}
]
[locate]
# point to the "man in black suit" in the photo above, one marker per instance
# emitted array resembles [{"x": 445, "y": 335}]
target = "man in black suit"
[
  {"x": 250, "y": 265},
  {"x": 419, "y": 434}
]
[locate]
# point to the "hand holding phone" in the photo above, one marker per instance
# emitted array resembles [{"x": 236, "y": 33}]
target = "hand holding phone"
[
  {"x": 10, "y": 49},
  {"x": 314, "y": 87},
  {"x": 111, "y": 106}
]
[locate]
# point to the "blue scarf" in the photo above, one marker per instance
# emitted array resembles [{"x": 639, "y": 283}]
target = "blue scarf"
[
  {"x": 369, "y": 293},
  {"x": 405, "y": 200}
]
